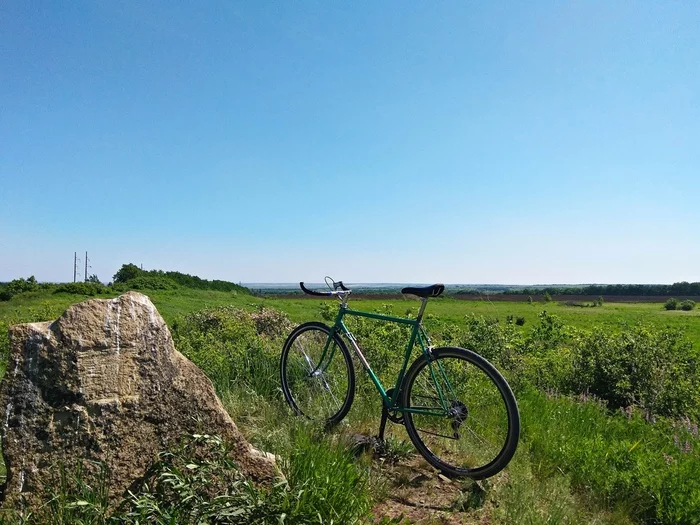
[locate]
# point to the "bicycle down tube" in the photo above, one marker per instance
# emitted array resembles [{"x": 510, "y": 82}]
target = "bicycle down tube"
[{"x": 417, "y": 334}]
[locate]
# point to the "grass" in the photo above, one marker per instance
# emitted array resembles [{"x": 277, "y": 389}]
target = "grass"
[
  {"x": 615, "y": 316},
  {"x": 174, "y": 303},
  {"x": 577, "y": 462}
]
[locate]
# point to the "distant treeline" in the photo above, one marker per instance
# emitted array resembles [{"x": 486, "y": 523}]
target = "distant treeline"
[
  {"x": 679, "y": 289},
  {"x": 129, "y": 277},
  {"x": 671, "y": 290},
  {"x": 158, "y": 279}
]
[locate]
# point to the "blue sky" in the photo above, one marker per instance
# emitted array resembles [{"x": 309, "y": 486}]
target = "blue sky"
[{"x": 458, "y": 142}]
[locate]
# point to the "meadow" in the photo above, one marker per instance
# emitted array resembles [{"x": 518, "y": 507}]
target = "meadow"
[{"x": 609, "y": 398}]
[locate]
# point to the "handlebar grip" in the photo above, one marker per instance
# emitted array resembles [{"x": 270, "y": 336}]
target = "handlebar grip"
[
  {"x": 311, "y": 292},
  {"x": 343, "y": 287}
]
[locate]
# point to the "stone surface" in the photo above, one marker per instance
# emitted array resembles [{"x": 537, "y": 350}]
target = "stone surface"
[{"x": 104, "y": 383}]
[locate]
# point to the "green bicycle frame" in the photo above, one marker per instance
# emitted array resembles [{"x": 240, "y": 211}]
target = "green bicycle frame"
[{"x": 417, "y": 334}]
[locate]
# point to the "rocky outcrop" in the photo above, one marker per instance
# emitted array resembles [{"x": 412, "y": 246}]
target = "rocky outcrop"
[{"x": 104, "y": 383}]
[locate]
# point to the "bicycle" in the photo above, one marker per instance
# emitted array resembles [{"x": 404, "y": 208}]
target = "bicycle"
[{"x": 458, "y": 410}]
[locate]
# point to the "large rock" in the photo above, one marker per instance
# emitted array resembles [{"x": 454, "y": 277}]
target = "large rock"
[{"x": 105, "y": 383}]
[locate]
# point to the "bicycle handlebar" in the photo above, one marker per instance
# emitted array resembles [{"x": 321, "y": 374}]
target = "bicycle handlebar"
[
  {"x": 311, "y": 292},
  {"x": 331, "y": 293}
]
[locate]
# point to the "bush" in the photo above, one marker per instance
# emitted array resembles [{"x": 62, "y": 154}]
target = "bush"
[
  {"x": 81, "y": 288},
  {"x": 657, "y": 370},
  {"x": 671, "y": 304},
  {"x": 149, "y": 282},
  {"x": 18, "y": 286},
  {"x": 230, "y": 344},
  {"x": 485, "y": 336},
  {"x": 134, "y": 277},
  {"x": 687, "y": 305}
]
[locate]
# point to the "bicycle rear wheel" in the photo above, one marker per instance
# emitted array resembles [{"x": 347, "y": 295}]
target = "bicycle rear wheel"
[
  {"x": 317, "y": 384},
  {"x": 473, "y": 430}
]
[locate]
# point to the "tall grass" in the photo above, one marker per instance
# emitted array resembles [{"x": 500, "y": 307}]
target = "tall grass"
[{"x": 649, "y": 468}]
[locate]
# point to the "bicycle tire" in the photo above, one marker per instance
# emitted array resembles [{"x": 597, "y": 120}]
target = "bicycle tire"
[
  {"x": 479, "y": 435},
  {"x": 321, "y": 393}
]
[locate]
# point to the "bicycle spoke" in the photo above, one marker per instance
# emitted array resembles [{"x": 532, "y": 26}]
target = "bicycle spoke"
[
  {"x": 475, "y": 427},
  {"x": 317, "y": 383}
]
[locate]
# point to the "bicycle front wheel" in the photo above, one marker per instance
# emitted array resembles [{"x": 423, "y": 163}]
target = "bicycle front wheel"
[
  {"x": 318, "y": 378},
  {"x": 461, "y": 414}
]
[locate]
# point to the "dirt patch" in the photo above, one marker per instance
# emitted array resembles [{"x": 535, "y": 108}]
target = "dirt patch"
[{"x": 416, "y": 493}]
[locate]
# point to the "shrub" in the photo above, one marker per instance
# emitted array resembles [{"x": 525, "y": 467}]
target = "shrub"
[
  {"x": 671, "y": 304},
  {"x": 485, "y": 336},
  {"x": 230, "y": 344},
  {"x": 687, "y": 305},
  {"x": 657, "y": 370},
  {"x": 149, "y": 282},
  {"x": 134, "y": 277},
  {"x": 18, "y": 286},
  {"x": 548, "y": 334},
  {"x": 81, "y": 288}
]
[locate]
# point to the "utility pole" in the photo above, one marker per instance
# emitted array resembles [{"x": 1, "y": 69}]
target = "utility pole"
[
  {"x": 86, "y": 265},
  {"x": 75, "y": 265}
]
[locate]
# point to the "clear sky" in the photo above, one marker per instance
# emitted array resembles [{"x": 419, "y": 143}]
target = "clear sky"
[{"x": 393, "y": 141}]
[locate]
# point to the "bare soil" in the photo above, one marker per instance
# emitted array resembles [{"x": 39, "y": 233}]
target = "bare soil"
[{"x": 417, "y": 493}]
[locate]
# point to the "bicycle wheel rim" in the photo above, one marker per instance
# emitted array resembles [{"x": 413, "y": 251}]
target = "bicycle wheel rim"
[
  {"x": 477, "y": 435},
  {"x": 317, "y": 384}
]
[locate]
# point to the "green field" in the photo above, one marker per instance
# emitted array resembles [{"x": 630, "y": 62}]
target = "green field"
[
  {"x": 580, "y": 460},
  {"x": 172, "y": 303},
  {"x": 616, "y": 316}
]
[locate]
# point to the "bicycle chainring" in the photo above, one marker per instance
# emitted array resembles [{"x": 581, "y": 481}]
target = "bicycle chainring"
[{"x": 392, "y": 415}]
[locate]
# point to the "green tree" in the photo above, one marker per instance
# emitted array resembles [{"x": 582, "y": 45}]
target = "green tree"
[
  {"x": 671, "y": 304},
  {"x": 126, "y": 273}
]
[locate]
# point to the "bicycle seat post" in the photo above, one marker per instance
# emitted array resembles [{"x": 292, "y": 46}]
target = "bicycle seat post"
[{"x": 423, "y": 303}]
